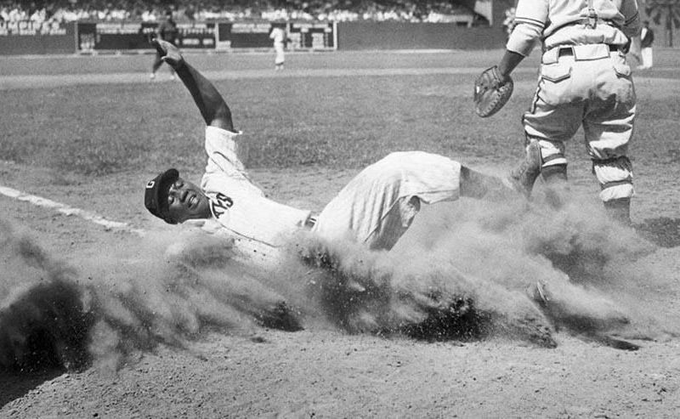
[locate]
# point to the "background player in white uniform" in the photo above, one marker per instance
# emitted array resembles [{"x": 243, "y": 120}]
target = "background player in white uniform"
[
  {"x": 375, "y": 208},
  {"x": 584, "y": 81},
  {"x": 279, "y": 36},
  {"x": 646, "y": 42}
]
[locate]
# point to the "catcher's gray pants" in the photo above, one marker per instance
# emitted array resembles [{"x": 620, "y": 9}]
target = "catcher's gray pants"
[{"x": 587, "y": 85}]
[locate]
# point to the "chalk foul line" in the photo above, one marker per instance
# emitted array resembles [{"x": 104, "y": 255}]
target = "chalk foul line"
[{"x": 69, "y": 211}]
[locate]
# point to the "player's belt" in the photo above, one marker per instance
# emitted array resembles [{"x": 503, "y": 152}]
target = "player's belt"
[
  {"x": 585, "y": 52},
  {"x": 569, "y": 51}
]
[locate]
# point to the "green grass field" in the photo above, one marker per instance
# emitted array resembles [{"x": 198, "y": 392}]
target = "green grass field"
[{"x": 344, "y": 121}]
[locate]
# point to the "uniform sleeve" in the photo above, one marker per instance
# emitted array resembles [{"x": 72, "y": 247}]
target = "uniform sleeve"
[
  {"x": 531, "y": 17},
  {"x": 631, "y": 14},
  {"x": 225, "y": 165},
  {"x": 224, "y": 149}
]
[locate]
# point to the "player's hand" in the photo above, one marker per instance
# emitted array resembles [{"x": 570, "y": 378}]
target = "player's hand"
[{"x": 169, "y": 53}]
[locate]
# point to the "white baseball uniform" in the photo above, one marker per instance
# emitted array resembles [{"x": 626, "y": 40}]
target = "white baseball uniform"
[
  {"x": 375, "y": 208},
  {"x": 584, "y": 81},
  {"x": 646, "y": 52},
  {"x": 238, "y": 204},
  {"x": 279, "y": 37},
  {"x": 379, "y": 204}
]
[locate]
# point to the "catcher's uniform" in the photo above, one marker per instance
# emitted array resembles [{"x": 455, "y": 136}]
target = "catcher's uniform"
[
  {"x": 584, "y": 81},
  {"x": 375, "y": 208}
]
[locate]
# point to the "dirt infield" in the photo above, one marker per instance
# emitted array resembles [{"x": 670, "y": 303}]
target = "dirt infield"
[{"x": 235, "y": 367}]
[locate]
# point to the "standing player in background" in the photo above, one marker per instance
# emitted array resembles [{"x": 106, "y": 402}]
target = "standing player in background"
[
  {"x": 167, "y": 31},
  {"x": 646, "y": 41},
  {"x": 584, "y": 81},
  {"x": 280, "y": 38}
]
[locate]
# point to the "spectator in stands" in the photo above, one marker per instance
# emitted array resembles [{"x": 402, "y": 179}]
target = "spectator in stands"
[
  {"x": 167, "y": 31},
  {"x": 148, "y": 15},
  {"x": 271, "y": 10}
]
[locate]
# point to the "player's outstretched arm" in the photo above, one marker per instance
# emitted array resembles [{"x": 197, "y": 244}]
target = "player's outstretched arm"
[{"x": 213, "y": 108}]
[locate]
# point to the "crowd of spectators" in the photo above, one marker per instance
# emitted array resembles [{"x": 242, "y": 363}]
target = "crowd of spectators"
[{"x": 202, "y": 10}]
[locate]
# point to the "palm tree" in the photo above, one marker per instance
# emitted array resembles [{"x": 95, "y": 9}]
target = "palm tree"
[{"x": 668, "y": 9}]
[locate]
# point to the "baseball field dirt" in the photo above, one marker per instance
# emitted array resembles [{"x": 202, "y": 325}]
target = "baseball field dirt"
[{"x": 102, "y": 316}]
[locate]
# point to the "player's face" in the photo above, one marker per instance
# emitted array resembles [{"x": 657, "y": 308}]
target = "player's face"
[{"x": 187, "y": 201}]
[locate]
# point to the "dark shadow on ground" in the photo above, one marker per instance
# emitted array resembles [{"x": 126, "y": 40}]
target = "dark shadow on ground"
[
  {"x": 662, "y": 231},
  {"x": 16, "y": 384}
]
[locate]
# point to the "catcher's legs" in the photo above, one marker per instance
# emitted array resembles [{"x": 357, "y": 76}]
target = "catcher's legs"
[
  {"x": 599, "y": 95},
  {"x": 615, "y": 176},
  {"x": 554, "y": 172},
  {"x": 608, "y": 127},
  {"x": 553, "y": 118},
  {"x": 547, "y": 128},
  {"x": 554, "y": 175},
  {"x": 525, "y": 174}
]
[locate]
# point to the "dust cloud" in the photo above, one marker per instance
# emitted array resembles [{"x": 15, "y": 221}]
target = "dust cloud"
[
  {"x": 116, "y": 304},
  {"x": 44, "y": 317},
  {"x": 464, "y": 271},
  {"x": 469, "y": 270}
]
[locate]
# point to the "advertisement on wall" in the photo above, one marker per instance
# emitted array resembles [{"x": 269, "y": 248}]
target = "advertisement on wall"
[
  {"x": 30, "y": 37},
  {"x": 121, "y": 36},
  {"x": 307, "y": 36},
  {"x": 31, "y": 28},
  {"x": 317, "y": 36},
  {"x": 203, "y": 35},
  {"x": 197, "y": 35}
]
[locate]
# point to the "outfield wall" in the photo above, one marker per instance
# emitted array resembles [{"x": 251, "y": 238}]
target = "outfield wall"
[
  {"x": 463, "y": 35},
  {"x": 122, "y": 37},
  {"x": 404, "y": 35},
  {"x": 29, "y": 37}
]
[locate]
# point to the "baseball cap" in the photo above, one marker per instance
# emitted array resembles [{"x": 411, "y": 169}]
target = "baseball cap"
[{"x": 156, "y": 194}]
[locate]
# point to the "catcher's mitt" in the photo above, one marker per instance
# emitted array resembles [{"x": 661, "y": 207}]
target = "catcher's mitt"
[{"x": 492, "y": 92}]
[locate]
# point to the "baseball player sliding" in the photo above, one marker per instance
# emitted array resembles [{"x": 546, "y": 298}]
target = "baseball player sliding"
[
  {"x": 374, "y": 209},
  {"x": 584, "y": 81}
]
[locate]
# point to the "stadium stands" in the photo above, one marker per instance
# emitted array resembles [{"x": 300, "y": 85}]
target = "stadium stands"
[{"x": 238, "y": 10}]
